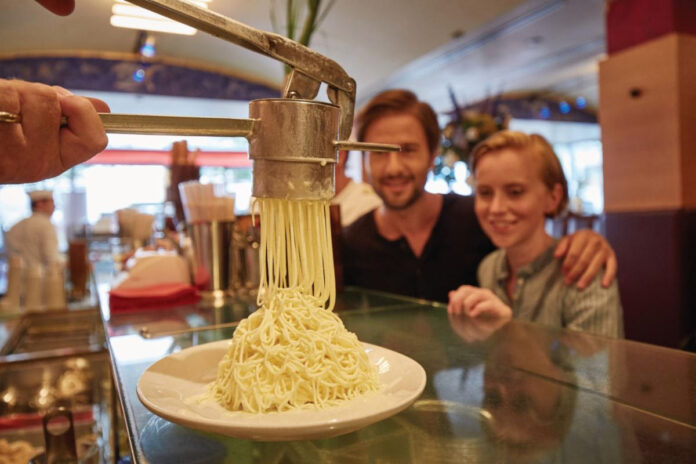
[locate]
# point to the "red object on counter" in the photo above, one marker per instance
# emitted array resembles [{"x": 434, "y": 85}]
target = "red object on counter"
[
  {"x": 35, "y": 419},
  {"x": 153, "y": 297}
]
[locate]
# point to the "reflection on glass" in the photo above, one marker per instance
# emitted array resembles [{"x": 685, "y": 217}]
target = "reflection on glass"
[
  {"x": 528, "y": 414},
  {"x": 133, "y": 349},
  {"x": 534, "y": 410}
]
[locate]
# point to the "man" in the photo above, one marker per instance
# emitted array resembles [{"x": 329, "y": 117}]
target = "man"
[
  {"x": 354, "y": 198},
  {"x": 34, "y": 239},
  {"x": 33, "y": 145},
  {"x": 422, "y": 244}
]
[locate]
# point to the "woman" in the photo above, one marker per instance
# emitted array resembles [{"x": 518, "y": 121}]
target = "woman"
[{"x": 519, "y": 183}]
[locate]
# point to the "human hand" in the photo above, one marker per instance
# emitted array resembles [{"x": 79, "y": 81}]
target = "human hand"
[
  {"x": 474, "y": 301},
  {"x": 59, "y": 7},
  {"x": 37, "y": 147},
  {"x": 585, "y": 253}
]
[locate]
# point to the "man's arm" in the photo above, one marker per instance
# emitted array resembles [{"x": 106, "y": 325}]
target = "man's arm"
[{"x": 584, "y": 254}]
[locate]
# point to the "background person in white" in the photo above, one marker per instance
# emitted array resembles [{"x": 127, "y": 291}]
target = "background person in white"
[
  {"x": 354, "y": 198},
  {"x": 35, "y": 238}
]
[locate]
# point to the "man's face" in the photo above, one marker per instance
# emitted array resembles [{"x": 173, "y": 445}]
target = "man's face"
[
  {"x": 398, "y": 177},
  {"x": 45, "y": 206}
]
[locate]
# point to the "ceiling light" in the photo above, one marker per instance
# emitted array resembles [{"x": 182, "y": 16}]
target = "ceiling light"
[{"x": 133, "y": 17}]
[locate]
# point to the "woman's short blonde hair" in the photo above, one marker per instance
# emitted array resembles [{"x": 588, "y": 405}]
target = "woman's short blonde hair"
[{"x": 536, "y": 145}]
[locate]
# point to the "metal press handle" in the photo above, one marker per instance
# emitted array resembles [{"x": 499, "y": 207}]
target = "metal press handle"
[
  {"x": 213, "y": 127},
  {"x": 308, "y": 68},
  {"x": 280, "y": 48},
  {"x": 364, "y": 146},
  {"x": 174, "y": 125}
]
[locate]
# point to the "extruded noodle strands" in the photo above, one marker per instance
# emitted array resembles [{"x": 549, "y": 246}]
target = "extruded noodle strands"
[{"x": 294, "y": 351}]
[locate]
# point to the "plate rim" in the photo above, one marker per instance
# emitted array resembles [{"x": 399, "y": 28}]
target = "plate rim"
[{"x": 284, "y": 431}]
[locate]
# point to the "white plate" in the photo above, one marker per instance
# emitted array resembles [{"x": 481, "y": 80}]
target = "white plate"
[{"x": 173, "y": 387}]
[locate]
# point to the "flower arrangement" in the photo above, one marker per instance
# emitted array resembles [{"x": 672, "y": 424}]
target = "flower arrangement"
[{"x": 467, "y": 127}]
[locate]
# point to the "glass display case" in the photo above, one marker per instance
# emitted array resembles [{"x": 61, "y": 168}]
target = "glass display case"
[
  {"x": 50, "y": 362},
  {"x": 516, "y": 393}
]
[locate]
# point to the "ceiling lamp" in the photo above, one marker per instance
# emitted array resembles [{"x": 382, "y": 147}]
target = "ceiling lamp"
[{"x": 134, "y": 17}]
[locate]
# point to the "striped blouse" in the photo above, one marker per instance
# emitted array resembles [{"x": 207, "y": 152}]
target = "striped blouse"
[{"x": 541, "y": 296}]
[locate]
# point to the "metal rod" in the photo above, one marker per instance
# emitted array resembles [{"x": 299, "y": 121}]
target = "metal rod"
[
  {"x": 174, "y": 125},
  {"x": 145, "y": 331},
  {"x": 273, "y": 45},
  {"x": 362, "y": 146}
]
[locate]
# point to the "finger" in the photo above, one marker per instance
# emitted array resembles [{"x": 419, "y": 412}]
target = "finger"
[
  {"x": 582, "y": 250},
  {"x": 562, "y": 247},
  {"x": 450, "y": 308},
  {"x": 476, "y": 310},
  {"x": 458, "y": 306},
  {"x": 99, "y": 105},
  {"x": 452, "y": 295},
  {"x": 576, "y": 243},
  {"x": 12, "y": 136},
  {"x": 454, "y": 304},
  {"x": 9, "y": 98},
  {"x": 460, "y": 293},
  {"x": 593, "y": 268},
  {"x": 484, "y": 307},
  {"x": 41, "y": 130},
  {"x": 62, "y": 91},
  {"x": 473, "y": 299},
  {"x": 610, "y": 271},
  {"x": 84, "y": 135}
]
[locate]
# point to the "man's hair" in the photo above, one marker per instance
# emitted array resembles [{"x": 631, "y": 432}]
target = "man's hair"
[
  {"x": 399, "y": 101},
  {"x": 534, "y": 144}
]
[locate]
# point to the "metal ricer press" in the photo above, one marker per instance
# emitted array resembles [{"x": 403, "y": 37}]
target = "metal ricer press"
[{"x": 293, "y": 140}]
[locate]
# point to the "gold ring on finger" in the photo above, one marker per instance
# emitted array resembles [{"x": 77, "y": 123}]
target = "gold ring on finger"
[{"x": 10, "y": 117}]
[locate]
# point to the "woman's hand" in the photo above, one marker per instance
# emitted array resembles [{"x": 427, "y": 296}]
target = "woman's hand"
[{"x": 474, "y": 301}]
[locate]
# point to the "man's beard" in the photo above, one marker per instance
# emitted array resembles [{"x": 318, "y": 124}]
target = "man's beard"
[{"x": 400, "y": 207}]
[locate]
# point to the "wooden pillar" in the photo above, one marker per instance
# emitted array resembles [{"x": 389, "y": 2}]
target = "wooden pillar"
[{"x": 648, "y": 120}]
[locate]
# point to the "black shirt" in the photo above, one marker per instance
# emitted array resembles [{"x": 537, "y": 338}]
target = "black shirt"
[{"x": 450, "y": 258}]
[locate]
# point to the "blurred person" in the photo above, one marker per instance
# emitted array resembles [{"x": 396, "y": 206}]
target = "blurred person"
[
  {"x": 354, "y": 198},
  {"x": 34, "y": 239},
  {"x": 422, "y": 244},
  {"x": 519, "y": 183},
  {"x": 33, "y": 145}
]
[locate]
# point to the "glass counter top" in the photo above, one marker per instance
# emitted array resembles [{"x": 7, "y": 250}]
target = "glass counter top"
[{"x": 516, "y": 393}]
